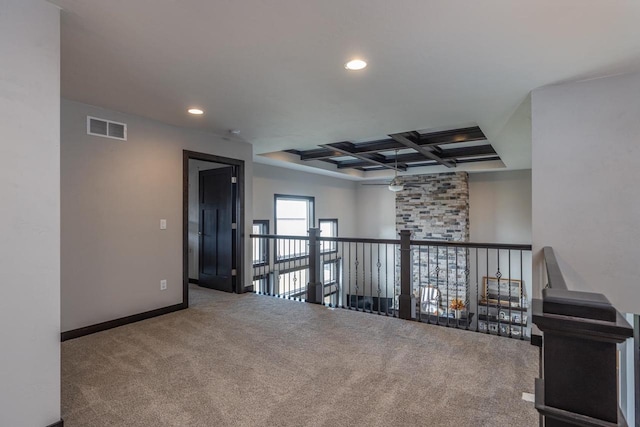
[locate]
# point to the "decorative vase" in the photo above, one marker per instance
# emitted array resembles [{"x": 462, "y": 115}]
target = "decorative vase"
[{"x": 458, "y": 314}]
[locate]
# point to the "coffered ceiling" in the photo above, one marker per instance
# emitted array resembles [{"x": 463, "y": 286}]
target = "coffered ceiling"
[{"x": 275, "y": 69}]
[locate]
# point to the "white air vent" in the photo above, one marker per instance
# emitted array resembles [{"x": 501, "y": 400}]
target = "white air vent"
[{"x": 106, "y": 128}]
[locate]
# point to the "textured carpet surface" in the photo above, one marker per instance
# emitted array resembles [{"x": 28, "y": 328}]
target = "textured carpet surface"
[{"x": 249, "y": 360}]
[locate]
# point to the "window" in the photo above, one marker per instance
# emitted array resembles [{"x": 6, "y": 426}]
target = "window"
[
  {"x": 294, "y": 216},
  {"x": 260, "y": 246},
  {"x": 330, "y": 272},
  {"x": 328, "y": 228},
  {"x": 330, "y": 282}
]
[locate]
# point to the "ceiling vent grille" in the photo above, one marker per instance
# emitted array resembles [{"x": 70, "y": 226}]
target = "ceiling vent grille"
[{"x": 106, "y": 128}]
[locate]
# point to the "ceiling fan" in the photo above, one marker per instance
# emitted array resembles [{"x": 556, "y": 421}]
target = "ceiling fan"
[{"x": 395, "y": 184}]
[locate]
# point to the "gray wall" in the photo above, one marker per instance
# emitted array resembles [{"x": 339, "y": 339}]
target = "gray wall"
[
  {"x": 334, "y": 197},
  {"x": 585, "y": 193},
  {"x": 586, "y": 149},
  {"x": 114, "y": 194},
  {"x": 29, "y": 213},
  {"x": 500, "y": 206}
]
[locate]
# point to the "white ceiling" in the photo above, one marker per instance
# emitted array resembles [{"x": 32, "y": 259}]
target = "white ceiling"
[{"x": 274, "y": 69}]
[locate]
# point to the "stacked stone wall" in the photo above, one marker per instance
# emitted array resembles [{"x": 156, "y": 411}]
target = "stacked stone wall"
[{"x": 436, "y": 207}]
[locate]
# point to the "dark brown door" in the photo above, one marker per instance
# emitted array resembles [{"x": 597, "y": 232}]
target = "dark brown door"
[{"x": 216, "y": 215}]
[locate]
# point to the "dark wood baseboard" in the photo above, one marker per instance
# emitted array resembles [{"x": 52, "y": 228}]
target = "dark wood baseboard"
[
  {"x": 57, "y": 424},
  {"x": 194, "y": 281},
  {"x": 99, "y": 327}
]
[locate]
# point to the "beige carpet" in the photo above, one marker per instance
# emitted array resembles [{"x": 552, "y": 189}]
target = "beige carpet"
[{"x": 249, "y": 360}]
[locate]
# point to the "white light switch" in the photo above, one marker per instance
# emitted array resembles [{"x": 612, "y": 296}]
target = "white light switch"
[
  {"x": 163, "y": 224},
  {"x": 163, "y": 285}
]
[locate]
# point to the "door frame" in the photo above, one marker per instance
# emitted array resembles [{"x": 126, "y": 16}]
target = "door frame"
[{"x": 238, "y": 201}]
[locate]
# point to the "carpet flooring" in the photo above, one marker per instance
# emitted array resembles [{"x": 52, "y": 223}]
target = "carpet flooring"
[{"x": 250, "y": 360}]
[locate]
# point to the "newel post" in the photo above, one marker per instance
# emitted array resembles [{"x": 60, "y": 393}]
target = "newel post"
[
  {"x": 315, "y": 288},
  {"x": 407, "y": 301},
  {"x": 579, "y": 380}
]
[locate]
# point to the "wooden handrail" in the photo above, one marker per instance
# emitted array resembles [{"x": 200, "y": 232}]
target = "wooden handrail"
[
  {"x": 441, "y": 243},
  {"x": 554, "y": 275}
]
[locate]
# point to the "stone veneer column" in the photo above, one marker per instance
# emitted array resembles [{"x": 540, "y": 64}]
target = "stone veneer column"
[{"x": 436, "y": 207}]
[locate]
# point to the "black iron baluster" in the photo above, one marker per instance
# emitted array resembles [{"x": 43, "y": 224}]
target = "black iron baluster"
[
  {"x": 521, "y": 302},
  {"x": 350, "y": 293},
  {"x": 356, "y": 264},
  {"x": 294, "y": 276},
  {"x": 437, "y": 249},
  {"x": 509, "y": 284},
  {"x": 364, "y": 277},
  {"x": 447, "y": 267},
  {"x": 395, "y": 278},
  {"x": 455, "y": 312},
  {"x": 371, "y": 276},
  {"x": 379, "y": 265},
  {"x": 499, "y": 275},
  {"x": 477, "y": 292},
  {"x": 467, "y": 297},
  {"x": 430, "y": 284},
  {"x": 486, "y": 291},
  {"x": 289, "y": 263},
  {"x": 341, "y": 271},
  {"x": 386, "y": 278}
]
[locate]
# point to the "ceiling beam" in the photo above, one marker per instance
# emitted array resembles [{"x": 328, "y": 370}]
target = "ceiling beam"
[
  {"x": 405, "y": 139},
  {"x": 376, "y": 159},
  {"x": 433, "y": 163},
  {"x": 453, "y": 154},
  {"x": 319, "y": 154},
  {"x": 452, "y": 136},
  {"x": 432, "y": 139}
]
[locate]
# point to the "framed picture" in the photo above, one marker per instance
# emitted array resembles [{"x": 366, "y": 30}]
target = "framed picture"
[{"x": 503, "y": 291}]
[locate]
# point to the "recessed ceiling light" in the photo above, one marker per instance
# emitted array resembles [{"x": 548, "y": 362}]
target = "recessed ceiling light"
[
  {"x": 355, "y": 64},
  {"x": 196, "y": 111}
]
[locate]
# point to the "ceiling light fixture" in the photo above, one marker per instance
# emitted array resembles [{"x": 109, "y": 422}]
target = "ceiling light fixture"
[
  {"x": 195, "y": 111},
  {"x": 355, "y": 65},
  {"x": 395, "y": 185}
]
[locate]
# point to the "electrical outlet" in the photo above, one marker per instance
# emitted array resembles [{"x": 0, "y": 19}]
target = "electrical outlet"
[
  {"x": 163, "y": 285},
  {"x": 163, "y": 224}
]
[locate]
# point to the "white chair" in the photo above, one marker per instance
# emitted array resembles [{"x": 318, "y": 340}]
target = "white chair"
[{"x": 430, "y": 300}]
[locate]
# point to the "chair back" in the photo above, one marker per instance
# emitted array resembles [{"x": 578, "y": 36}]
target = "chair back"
[{"x": 430, "y": 294}]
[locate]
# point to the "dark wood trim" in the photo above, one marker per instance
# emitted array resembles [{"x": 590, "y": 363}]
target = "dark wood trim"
[
  {"x": 450, "y": 136},
  {"x": 99, "y": 327},
  {"x": 239, "y": 219},
  {"x": 373, "y": 158},
  {"x": 57, "y": 423},
  {"x": 406, "y": 140},
  {"x": 569, "y": 418},
  {"x": 265, "y": 261},
  {"x": 429, "y": 149},
  {"x": 194, "y": 281},
  {"x": 453, "y": 153}
]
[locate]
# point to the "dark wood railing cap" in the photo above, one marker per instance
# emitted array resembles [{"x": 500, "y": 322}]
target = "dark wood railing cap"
[{"x": 586, "y": 305}]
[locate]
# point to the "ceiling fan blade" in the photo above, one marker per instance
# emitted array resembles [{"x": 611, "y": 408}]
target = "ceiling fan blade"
[{"x": 386, "y": 185}]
